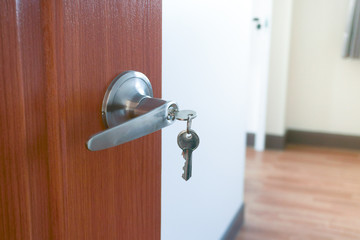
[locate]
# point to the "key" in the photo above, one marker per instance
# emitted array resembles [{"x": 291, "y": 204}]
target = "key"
[
  {"x": 184, "y": 115},
  {"x": 188, "y": 143}
]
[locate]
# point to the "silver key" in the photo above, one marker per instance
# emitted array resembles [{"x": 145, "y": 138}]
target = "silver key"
[
  {"x": 184, "y": 115},
  {"x": 188, "y": 142}
]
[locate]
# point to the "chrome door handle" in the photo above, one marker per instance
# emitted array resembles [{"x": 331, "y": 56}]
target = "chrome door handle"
[{"x": 130, "y": 111}]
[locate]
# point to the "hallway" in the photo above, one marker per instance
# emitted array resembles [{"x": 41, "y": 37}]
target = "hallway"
[{"x": 302, "y": 193}]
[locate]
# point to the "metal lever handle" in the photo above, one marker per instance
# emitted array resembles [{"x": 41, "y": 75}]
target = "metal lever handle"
[
  {"x": 130, "y": 112},
  {"x": 138, "y": 127}
]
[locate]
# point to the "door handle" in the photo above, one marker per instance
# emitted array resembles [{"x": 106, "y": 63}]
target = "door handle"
[{"x": 130, "y": 111}]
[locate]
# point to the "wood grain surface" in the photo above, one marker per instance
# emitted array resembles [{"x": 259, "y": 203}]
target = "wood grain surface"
[
  {"x": 57, "y": 59},
  {"x": 302, "y": 193}
]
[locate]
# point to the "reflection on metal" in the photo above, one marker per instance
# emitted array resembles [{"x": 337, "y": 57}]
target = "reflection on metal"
[{"x": 130, "y": 111}]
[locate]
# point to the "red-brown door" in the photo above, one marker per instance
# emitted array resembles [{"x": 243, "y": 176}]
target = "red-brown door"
[{"x": 57, "y": 60}]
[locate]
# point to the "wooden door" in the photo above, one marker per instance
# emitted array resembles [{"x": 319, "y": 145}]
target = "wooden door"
[{"x": 57, "y": 59}]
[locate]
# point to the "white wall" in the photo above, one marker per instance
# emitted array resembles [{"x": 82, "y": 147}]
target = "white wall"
[
  {"x": 279, "y": 67},
  {"x": 205, "y": 62},
  {"x": 323, "y": 88},
  {"x": 258, "y": 69}
]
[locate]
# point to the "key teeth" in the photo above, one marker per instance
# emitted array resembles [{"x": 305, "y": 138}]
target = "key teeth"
[{"x": 185, "y": 177}]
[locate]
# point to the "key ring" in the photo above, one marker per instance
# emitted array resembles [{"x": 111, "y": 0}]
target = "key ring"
[{"x": 188, "y": 125}]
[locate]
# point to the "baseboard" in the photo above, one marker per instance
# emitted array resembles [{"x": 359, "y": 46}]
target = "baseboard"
[
  {"x": 272, "y": 141},
  {"x": 275, "y": 142},
  {"x": 307, "y": 138},
  {"x": 235, "y": 225},
  {"x": 323, "y": 139},
  {"x": 250, "y": 139}
]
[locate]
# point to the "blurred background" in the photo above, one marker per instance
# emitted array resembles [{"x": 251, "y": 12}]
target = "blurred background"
[
  {"x": 283, "y": 78},
  {"x": 303, "y": 125},
  {"x": 310, "y": 86}
]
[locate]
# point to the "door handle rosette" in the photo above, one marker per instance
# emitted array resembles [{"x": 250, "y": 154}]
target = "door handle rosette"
[{"x": 130, "y": 111}]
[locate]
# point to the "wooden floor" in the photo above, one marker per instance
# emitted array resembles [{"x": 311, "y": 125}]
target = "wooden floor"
[{"x": 302, "y": 193}]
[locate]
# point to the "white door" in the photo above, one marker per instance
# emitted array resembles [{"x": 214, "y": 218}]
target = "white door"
[{"x": 205, "y": 68}]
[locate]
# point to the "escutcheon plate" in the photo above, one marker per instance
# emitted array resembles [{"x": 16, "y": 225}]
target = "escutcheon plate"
[{"x": 123, "y": 96}]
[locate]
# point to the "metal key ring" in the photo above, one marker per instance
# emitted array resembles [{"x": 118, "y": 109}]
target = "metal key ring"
[{"x": 188, "y": 125}]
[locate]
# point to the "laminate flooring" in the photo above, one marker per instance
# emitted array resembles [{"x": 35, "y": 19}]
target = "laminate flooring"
[{"x": 302, "y": 193}]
